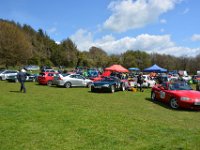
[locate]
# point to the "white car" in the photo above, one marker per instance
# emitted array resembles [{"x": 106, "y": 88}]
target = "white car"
[
  {"x": 187, "y": 78},
  {"x": 5, "y": 73},
  {"x": 148, "y": 82},
  {"x": 71, "y": 80}
]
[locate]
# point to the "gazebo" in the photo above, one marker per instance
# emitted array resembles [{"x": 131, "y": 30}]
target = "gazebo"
[{"x": 155, "y": 68}]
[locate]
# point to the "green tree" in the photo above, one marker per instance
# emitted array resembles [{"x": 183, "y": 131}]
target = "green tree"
[
  {"x": 114, "y": 59},
  {"x": 15, "y": 48},
  {"x": 142, "y": 59},
  {"x": 69, "y": 53},
  {"x": 99, "y": 57},
  {"x": 128, "y": 59}
]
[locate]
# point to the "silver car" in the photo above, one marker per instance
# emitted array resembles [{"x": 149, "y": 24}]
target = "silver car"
[
  {"x": 71, "y": 80},
  {"x": 4, "y": 74}
]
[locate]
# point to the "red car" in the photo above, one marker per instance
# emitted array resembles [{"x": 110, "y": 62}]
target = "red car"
[
  {"x": 177, "y": 94},
  {"x": 46, "y": 78}
]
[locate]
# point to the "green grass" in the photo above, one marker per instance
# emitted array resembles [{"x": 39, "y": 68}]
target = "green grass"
[{"x": 54, "y": 118}]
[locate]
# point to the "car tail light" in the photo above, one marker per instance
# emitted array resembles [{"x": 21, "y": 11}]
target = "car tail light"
[{"x": 59, "y": 78}]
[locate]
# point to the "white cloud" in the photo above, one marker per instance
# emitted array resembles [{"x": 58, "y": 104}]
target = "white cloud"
[
  {"x": 162, "y": 30},
  {"x": 83, "y": 39},
  {"x": 186, "y": 11},
  {"x": 58, "y": 42},
  {"x": 52, "y": 30},
  {"x": 163, "y": 21},
  {"x": 145, "y": 42},
  {"x": 195, "y": 37},
  {"x": 131, "y": 14},
  {"x": 180, "y": 51}
]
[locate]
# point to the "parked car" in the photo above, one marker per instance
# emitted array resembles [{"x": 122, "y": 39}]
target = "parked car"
[
  {"x": 177, "y": 95},
  {"x": 5, "y": 73},
  {"x": 29, "y": 78},
  {"x": 148, "y": 82},
  {"x": 49, "y": 70},
  {"x": 110, "y": 84},
  {"x": 31, "y": 67},
  {"x": 195, "y": 78},
  {"x": 44, "y": 68},
  {"x": 162, "y": 78},
  {"x": 187, "y": 78},
  {"x": 71, "y": 80},
  {"x": 46, "y": 78}
]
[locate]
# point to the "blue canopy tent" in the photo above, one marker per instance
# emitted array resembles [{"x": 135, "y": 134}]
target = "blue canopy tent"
[
  {"x": 134, "y": 69},
  {"x": 155, "y": 68}
]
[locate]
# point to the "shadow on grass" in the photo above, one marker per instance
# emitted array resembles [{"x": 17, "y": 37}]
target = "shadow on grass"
[
  {"x": 15, "y": 91},
  {"x": 103, "y": 92},
  {"x": 158, "y": 103},
  {"x": 165, "y": 105}
]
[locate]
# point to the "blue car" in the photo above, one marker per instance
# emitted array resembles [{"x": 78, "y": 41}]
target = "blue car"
[{"x": 110, "y": 84}]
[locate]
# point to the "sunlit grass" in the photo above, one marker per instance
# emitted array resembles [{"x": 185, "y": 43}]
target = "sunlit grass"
[{"x": 58, "y": 118}]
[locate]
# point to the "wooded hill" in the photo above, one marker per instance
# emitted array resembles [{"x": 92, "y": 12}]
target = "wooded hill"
[{"x": 22, "y": 45}]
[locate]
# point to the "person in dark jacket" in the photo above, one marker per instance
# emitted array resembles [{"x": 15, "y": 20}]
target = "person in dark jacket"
[
  {"x": 140, "y": 81},
  {"x": 21, "y": 76}
]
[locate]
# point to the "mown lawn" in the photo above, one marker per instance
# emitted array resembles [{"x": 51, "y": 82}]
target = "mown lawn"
[{"x": 54, "y": 118}]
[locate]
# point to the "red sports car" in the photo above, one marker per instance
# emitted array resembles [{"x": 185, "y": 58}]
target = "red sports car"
[
  {"x": 46, "y": 78},
  {"x": 177, "y": 94}
]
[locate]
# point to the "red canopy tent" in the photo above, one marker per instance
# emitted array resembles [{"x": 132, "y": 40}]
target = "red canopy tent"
[{"x": 116, "y": 68}]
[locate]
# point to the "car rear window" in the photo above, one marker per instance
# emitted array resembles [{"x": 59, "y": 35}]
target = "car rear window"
[
  {"x": 65, "y": 74},
  {"x": 42, "y": 74}
]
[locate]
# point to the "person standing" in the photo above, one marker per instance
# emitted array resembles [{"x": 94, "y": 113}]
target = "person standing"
[
  {"x": 21, "y": 76},
  {"x": 140, "y": 81}
]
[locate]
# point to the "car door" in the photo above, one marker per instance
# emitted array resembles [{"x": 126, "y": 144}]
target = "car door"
[
  {"x": 164, "y": 92},
  {"x": 73, "y": 80},
  {"x": 80, "y": 80},
  {"x": 50, "y": 76}
]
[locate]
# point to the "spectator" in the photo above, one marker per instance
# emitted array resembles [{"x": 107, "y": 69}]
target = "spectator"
[
  {"x": 21, "y": 76},
  {"x": 140, "y": 81}
]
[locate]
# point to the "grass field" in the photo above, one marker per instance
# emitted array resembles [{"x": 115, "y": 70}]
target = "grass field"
[{"x": 52, "y": 118}]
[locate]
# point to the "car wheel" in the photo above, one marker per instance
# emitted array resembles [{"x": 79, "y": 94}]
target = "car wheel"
[
  {"x": 68, "y": 85},
  {"x": 123, "y": 88},
  {"x": 1, "y": 78},
  {"x": 49, "y": 83},
  {"x": 174, "y": 104},
  {"x": 153, "y": 96},
  {"x": 112, "y": 89}
]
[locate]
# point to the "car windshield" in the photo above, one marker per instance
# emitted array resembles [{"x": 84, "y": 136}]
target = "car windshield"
[
  {"x": 42, "y": 74},
  {"x": 179, "y": 86}
]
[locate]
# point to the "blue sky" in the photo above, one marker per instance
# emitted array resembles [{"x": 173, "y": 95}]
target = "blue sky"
[{"x": 162, "y": 26}]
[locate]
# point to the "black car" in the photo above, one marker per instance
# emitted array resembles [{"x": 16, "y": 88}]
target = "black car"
[{"x": 110, "y": 84}]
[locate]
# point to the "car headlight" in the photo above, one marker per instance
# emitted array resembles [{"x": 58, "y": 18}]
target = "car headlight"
[
  {"x": 106, "y": 85},
  {"x": 184, "y": 98}
]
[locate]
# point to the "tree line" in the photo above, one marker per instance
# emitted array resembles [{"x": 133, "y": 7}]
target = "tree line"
[{"x": 22, "y": 45}]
